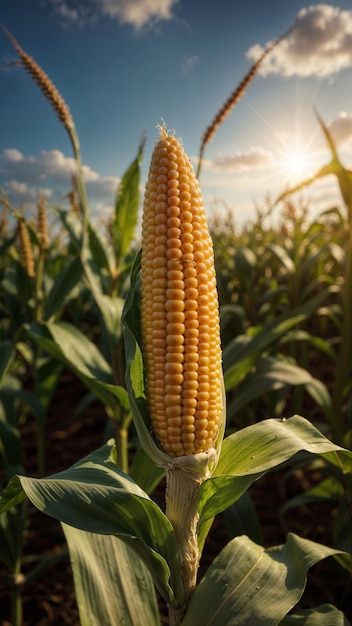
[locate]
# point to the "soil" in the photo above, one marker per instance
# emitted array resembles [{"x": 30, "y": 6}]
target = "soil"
[{"x": 49, "y": 599}]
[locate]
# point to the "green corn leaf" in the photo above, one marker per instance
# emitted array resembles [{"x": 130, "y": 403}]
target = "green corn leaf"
[
  {"x": 241, "y": 518},
  {"x": 245, "y": 265},
  {"x": 30, "y": 399},
  {"x": 10, "y": 443},
  {"x": 321, "y": 173},
  {"x": 9, "y": 412},
  {"x": 320, "y": 394},
  {"x": 272, "y": 375},
  {"x": 48, "y": 372},
  {"x": 112, "y": 584},
  {"x": 216, "y": 494},
  {"x": 312, "y": 340},
  {"x": 283, "y": 257},
  {"x": 136, "y": 392},
  {"x": 269, "y": 443},
  {"x": 145, "y": 472},
  {"x": 344, "y": 176},
  {"x": 74, "y": 349},
  {"x": 73, "y": 225},
  {"x": 323, "y": 615},
  {"x": 126, "y": 208},
  {"x": 246, "y": 584},
  {"x": 101, "y": 251},
  {"x": 334, "y": 212},
  {"x": 7, "y": 351},
  {"x": 96, "y": 497},
  {"x": 12, "y": 527},
  {"x": 5, "y": 245},
  {"x": 329, "y": 490},
  {"x": 238, "y": 359},
  {"x": 111, "y": 309},
  {"x": 69, "y": 343},
  {"x": 331, "y": 249},
  {"x": 62, "y": 287},
  {"x": 247, "y": 454},
  {"x": 135, "y": 368},
  {"x": 242, "y": 353},
  {"x": 9, "y": 286},
  {"x": 92, "y": 257}
]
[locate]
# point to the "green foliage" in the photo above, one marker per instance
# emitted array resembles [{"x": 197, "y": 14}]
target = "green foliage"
[
  {"x": 80, "y": 282},
  {"x": 286, "y": 310},
  {"x": 246, "y": 584},
  {"x": 94, "y": 496},
  {"x": 121, "y": 582}
]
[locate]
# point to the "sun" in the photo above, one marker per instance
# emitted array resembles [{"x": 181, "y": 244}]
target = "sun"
[
  {"x": 295, "y": 156},
  {"x": 297, "y": 165}
]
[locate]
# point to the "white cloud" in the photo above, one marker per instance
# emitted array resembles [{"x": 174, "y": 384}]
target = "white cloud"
[
  {"x": 188, "y": 63},
  {"x": 135, "y": 13},
  {"x": 341, "y": 128},
  {"x": 21, "y": 194},
  {"x": 319, "y": 45},
  {"x": 51, "y": 164},
  {"x": 256, "y": 158},
  {"x": 12, "y": 154},
  {"x": 50, "y": 173},
  {"x": 15, "y": 187},
  {"x": 67, "y": 13}
]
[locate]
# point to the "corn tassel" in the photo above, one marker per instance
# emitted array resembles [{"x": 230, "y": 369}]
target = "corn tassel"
[{"x": 27, "y": 250}]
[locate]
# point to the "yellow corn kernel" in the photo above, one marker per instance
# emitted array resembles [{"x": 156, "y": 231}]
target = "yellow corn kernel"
[{"x": 180, "y": 314}]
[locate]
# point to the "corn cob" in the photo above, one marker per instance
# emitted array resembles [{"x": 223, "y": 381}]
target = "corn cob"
[{"x": 180, "y": 318}]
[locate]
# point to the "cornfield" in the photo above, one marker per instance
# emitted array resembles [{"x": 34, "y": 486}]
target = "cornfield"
[{"x": 75, "y": 317}]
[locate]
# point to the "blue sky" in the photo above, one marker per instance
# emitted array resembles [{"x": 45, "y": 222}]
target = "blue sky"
[{"x": 123, "y": 65}]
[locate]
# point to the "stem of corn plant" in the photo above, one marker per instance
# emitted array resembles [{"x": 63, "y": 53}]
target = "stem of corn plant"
[
  {"x": 17, "y": 576},
  {"x": 181, "y": 496},
  {"x": 122, "y": 448},
  {"x": 343, "y": 368},
  {"x": 121, "y": 419},
  {"x": 38, "y": 286},
  {"x": 16, "y": 596}
]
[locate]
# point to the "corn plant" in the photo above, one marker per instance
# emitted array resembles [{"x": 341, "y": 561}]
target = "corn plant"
[
  {"x": 101, "y": 267},
  {"x": 42, "y": 292},
  {"x": 341, "y": 392},
  {"x": 281, "y": 326},
  {"x": 335, "y": 486},
  {"x": 274, "y": 299},
  {"x": 120, "y": 541},
  {"x": 28, "y": 377}
]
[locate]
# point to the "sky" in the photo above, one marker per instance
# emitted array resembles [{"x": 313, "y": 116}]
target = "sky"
[{"x": 123, "y": 66}]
